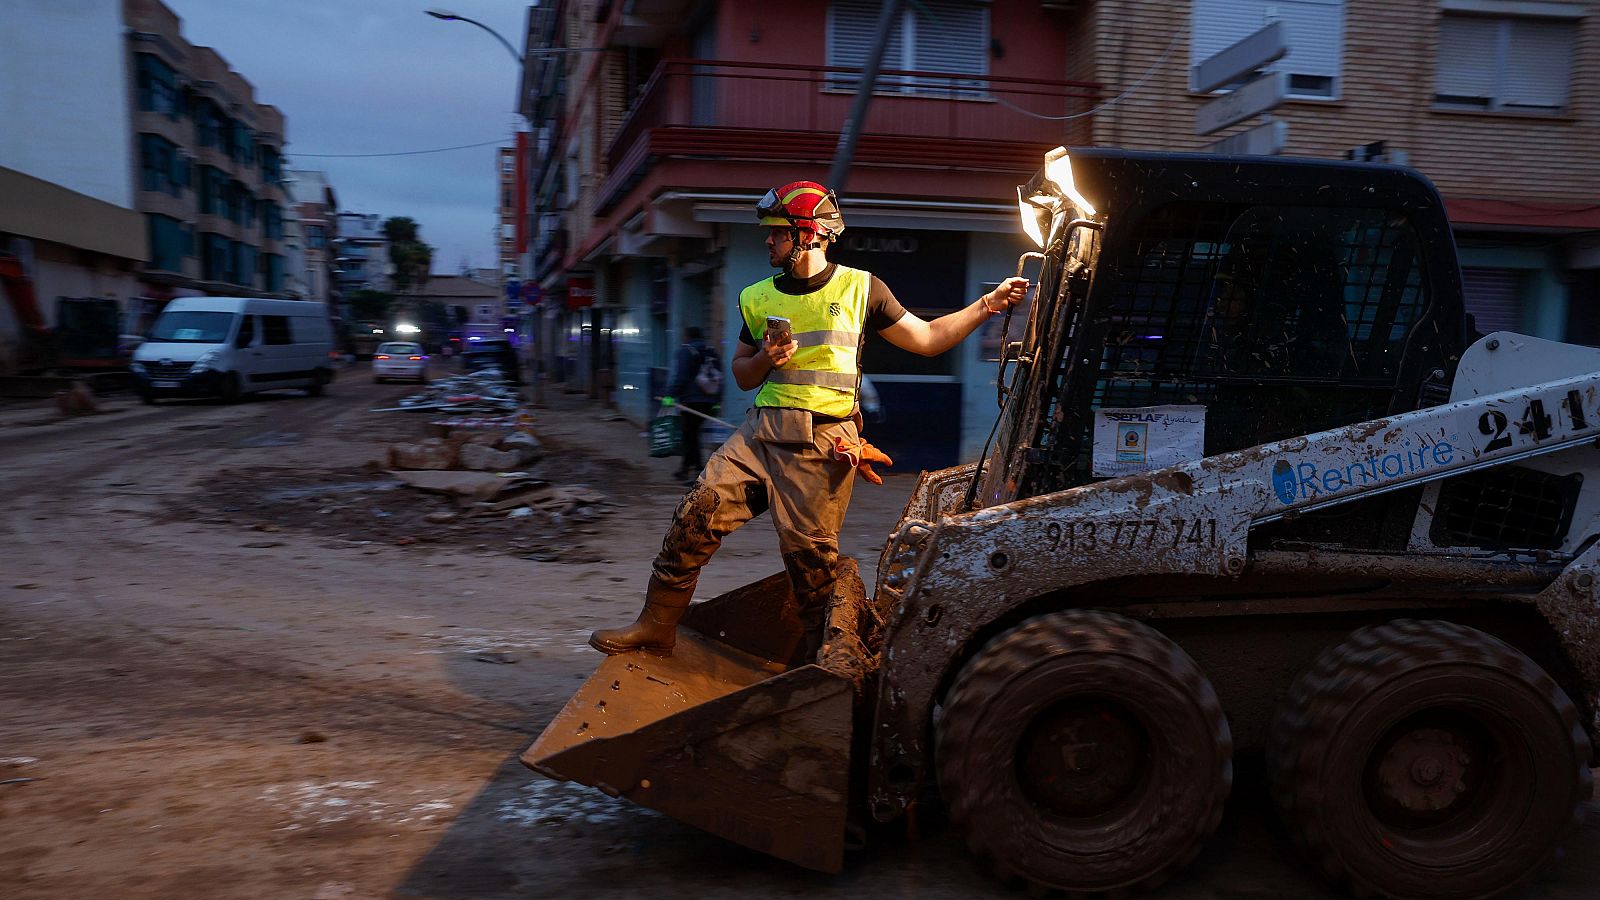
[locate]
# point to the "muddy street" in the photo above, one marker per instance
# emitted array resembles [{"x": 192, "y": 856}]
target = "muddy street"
[{"x": 239, "y": 660}]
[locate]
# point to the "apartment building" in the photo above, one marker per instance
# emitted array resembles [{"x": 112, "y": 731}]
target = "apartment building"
[
  {"x": 316, "y": 207},
  {"x": 507, "y": 210},
  {"x": 1496, "y": 101},
  {"x": 208, "y": 166},
  {"x": 648, "y": 159},
  {"x": 362, "y": 257}
]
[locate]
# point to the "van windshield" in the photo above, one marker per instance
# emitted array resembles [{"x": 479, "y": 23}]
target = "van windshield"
[{"x": 192, "y": 327}]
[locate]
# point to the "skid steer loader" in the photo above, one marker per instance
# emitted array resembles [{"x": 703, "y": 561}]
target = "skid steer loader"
[{"x": 1255, "y": 485}]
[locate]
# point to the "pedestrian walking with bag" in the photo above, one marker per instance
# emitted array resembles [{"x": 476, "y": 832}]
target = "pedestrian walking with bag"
[{"x": 696, "y": 387}]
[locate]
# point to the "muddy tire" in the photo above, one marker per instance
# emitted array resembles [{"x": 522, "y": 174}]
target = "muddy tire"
[
  {"x": 1427, "y": 759},
  {"x": 232, "y": 389},
  {"x": 1084, "y": 752}
]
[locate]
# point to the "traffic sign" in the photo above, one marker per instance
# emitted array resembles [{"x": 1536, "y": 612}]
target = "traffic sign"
[
  {"x": 1252, "y": 99},
  {"x": 1267, "y": 139},
  {"x": 1228, "y": 65}
]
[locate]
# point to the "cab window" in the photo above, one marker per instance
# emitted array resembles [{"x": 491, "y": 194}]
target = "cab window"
[
  {"x": 247, "y": 332},
  {"x": 1281, "y": 320}
]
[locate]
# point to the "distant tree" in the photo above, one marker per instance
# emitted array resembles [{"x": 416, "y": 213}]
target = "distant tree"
[
  {"x": 412, "y": 259},
  {"x": 370, "y": 306}
]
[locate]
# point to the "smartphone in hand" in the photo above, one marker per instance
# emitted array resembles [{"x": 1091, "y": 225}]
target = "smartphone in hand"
[{"x": 779, "y": 330}]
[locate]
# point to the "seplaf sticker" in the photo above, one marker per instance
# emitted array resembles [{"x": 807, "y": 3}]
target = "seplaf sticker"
[{"x": 1139, "y": 439}]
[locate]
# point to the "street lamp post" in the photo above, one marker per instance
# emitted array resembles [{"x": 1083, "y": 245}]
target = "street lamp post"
[
  {"x": 446, "y": 16},
  {"x": 538, "y": 363}
]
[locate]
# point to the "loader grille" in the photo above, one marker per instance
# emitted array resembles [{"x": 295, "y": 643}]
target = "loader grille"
[
  {"x": 168, "y": 370},
  {"x": 1506, "y": 508}
]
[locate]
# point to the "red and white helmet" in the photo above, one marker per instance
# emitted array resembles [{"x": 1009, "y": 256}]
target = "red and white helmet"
[{"x": 805, "y": 205}]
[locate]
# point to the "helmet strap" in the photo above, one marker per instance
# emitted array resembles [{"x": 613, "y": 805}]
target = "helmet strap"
[{"x": 796, "y": 249}]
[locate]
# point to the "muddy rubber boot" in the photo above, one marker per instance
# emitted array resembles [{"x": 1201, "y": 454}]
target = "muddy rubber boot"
[
  {"x": 811, "y": 640},
  {"x": 656, "y": 629}
]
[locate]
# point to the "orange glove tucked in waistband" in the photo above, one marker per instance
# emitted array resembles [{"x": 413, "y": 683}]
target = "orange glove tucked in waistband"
[{"x": 861, "y": 455}]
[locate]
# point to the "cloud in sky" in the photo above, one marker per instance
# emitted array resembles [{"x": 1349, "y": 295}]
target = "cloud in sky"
[{"x": 380, "y": 76}]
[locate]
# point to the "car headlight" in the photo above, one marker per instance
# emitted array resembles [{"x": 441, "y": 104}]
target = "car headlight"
[
  {"x": 206, "y": 360},
  {"x": 136, "y": 367}
]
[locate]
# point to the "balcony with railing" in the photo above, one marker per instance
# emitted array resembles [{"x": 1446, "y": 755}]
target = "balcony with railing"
[{"x": 761, "y": 112}]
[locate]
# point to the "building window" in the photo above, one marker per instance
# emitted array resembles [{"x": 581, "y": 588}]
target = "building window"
[
  {"x": 1504, "y": 63},
  {"x": 1316, "y": 38},
  {"x": 237, "y": 204},
  {"x": 210, "y": 188},
  {"x": 271, "y": 220},
  {"x": 244, "y": 264},
  {"x": 485, "y": 312},
  {"x": 930, "y": 36},
  {"x": 209, "y": 123},
  {"x": 158, "y": 86},
  {"x": 216, "y": 262},
  {"x": 271, "y": 165},
  {"x": 169, "y": 243},
  {"x": 274, "y": 272},
  {"x": 240, "y": 143},
  {"x": 161, "y": 167},
  {"x": 316, "y": 237}
]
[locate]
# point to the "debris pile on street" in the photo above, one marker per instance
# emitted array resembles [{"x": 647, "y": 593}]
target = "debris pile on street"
[
  {"x": 485, "y": 391},
  {"x": 478, "y": 475}
]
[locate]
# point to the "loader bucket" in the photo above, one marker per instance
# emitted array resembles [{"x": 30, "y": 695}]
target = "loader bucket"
[{"x": 726, "y": 734}]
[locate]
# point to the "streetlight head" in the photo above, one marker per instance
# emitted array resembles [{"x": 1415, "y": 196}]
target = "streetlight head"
[{"x": 442, "y": 14}]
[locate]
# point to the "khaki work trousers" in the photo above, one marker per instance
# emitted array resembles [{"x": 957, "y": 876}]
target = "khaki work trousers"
[{"x": 782, "y": 460}]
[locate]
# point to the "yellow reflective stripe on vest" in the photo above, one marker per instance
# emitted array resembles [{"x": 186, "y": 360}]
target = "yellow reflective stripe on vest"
[
  {"x": 827, "y": 325},
  {"x": 808, "y": 376},
  {"x": 851, "y": 339}
]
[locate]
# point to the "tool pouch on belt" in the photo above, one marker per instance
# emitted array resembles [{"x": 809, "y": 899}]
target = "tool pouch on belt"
[{"x": 783, "y": 425}]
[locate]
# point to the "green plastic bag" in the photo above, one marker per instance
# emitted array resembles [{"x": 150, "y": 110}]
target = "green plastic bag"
[{"x": 666, "y": 436}]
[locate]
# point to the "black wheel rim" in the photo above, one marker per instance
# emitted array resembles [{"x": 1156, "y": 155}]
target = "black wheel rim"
[
  {"x": 1443, "y": 780},
  {"x": 1084, "y": 757}
]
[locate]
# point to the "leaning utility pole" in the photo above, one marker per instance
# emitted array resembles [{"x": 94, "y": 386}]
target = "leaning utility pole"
[{"x": 850, "y": 131}]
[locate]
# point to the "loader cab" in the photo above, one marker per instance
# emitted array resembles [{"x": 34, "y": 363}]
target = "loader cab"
[{"x": 1279, "y": 297}]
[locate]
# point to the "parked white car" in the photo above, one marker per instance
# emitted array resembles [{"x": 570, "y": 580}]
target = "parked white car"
[{"x": 400, "y": 359}]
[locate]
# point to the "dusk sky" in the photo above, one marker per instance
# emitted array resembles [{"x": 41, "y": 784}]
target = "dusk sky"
[{"x": 380, "y": 76}]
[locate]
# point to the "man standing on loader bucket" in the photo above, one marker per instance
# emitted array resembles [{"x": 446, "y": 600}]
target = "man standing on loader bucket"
[{"x": 798, "y": 451}]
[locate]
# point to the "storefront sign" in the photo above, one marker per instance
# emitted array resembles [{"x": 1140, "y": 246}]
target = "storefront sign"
[
  {"x": 580, "y": 292},
  {"x": 924, "y": 269}
]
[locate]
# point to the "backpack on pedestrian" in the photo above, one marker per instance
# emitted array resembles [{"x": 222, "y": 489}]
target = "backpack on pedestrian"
[{"x": 709, "y": 378}]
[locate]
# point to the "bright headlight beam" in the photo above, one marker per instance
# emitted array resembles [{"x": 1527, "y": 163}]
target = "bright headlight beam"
[
  {"x": 1058, "y": 168},
  {"x": 1030, "y": 219}
]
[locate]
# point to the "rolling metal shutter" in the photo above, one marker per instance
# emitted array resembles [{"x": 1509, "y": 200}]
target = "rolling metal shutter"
[{"x": 1493, "y": 298}]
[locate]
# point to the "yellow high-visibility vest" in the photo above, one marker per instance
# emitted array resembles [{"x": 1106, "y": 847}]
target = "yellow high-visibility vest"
[{"x": 823, "y": 373}]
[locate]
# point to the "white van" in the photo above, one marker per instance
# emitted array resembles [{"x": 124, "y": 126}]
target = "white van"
[{"x": 230, "y": 346}]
